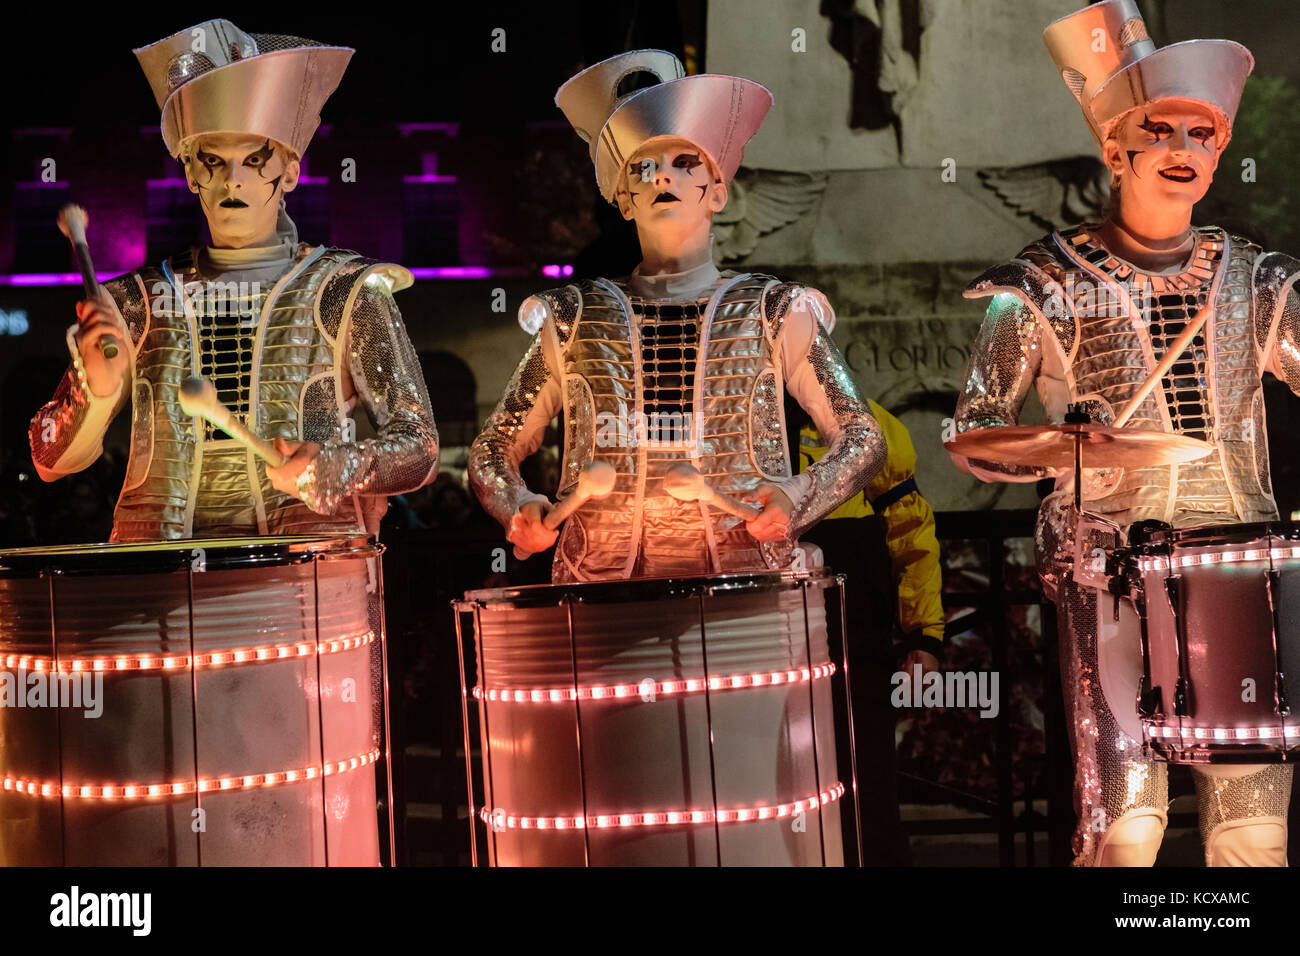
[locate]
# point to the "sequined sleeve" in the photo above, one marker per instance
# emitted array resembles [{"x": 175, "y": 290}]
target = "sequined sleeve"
[
  {"x": 67, "y": 434},
  {"x": 390, "y": 387},
  {"x": 1277, "y": 306},
  {"x": 531, "y": 399},
  {"x": 1005, "y": 360},
  {"x": 820, "y": 381}
]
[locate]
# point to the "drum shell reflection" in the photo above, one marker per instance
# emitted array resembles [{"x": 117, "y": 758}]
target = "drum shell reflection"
[
  {"x": 1235, "y": 592},
  {"x": 632, "y": 743},
  {"x": 261, "y": 753}
]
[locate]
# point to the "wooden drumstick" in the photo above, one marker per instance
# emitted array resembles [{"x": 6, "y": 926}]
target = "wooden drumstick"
[
  {"x": 596, "y": 481},
  {"x": 72, "y": 223},
  {"x": 1172, "y": 355},
  {"x": 685, "y": 483},
  {"x": 199, "y": 397}
]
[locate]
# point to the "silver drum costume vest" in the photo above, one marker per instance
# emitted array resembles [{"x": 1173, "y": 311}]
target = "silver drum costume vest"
[
  {"x": 731, "y": 426},
  {"x": 295, "y": 382},
  {"x": 1105, "y": 338}
]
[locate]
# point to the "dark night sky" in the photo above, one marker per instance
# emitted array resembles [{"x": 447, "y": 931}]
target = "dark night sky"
[{"x": 430, "y": 62}]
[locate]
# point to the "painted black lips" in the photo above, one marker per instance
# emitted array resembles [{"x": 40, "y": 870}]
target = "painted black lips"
[
  {"x": 234, "y": 204},
  {"x": 1179, "y": 174},
  {"x": 665, "y": 197}
]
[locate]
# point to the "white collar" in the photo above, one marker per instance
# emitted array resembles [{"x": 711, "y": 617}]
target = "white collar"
[
  {"x": 249, "y": 257},
  {"x": 694, "y": 283}
]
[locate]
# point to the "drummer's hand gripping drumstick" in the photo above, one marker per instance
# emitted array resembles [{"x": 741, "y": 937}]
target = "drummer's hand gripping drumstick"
[
  {"x": 596, "y": 481},
  {"x": 199, "y": 397},
  {"x": 1172, "y": 355},
  {"x": 72, "y": 223},
  {"x": 685, "y": 483}
]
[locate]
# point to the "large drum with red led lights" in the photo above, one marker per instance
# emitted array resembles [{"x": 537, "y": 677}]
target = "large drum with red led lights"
[
  {"x": 210, "y": 702},
  {"x": 1221, "y": 674},
  {"x": 668, "y": 722}
]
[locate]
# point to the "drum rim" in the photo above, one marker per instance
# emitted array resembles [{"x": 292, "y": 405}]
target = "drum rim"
[
  {"x": 1211, "y": 751},
  {"x": 1162, "y": 540},
  {"x": 118, "y": 557},
  {"x": 658, "y": 588}
]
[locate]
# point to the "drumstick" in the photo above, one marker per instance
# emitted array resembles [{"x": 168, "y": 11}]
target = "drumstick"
[
  {"x": 685, "y": 483},
  {"x": 199, "y": 397},
  {"x": 596, "y": 481},
  {"x": 72, "y": 223},
  {"x": 1172, "y": 355}
]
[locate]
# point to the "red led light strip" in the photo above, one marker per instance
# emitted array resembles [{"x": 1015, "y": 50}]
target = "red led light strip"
[
  {"x": 256, "y": 654},
  {"x": 139, "y": 791},
  {"x": 653, "y": 688},
  {"x": 661, "y": 818},
  {"x": 1162, "y": 563},
  {"x": 1223, "y": 734}
]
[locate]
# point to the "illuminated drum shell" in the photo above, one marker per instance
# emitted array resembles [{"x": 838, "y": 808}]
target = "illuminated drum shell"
[
  {"x": 1229, "y": 625},
  {"x": 282, "y": 776},
  {"x": 609, "y": 723}
]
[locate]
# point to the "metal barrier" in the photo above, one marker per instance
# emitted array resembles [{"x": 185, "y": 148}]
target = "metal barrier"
[{"x": 1012, "y": 811}]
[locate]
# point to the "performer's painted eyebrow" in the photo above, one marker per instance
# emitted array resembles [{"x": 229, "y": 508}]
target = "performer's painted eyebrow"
[
  {"x": 203, "y": 156},
  {"x": 1154, "y": 128},
  {"x": 643, "y": 169},
  {"x": 264, "y": 153}
]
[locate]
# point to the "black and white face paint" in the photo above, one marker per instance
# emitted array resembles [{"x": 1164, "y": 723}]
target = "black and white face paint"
[
  {"x": 1167, "y": 152},
  {"x": 240, "y": 181},
  {"x": 670, "y": 180}
]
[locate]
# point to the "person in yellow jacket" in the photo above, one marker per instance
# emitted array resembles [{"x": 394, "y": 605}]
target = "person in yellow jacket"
[
  {"x": 883, "y": 540},
  {"x": 908, "y": 526}
]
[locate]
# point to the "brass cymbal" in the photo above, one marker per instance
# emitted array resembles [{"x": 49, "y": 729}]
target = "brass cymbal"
[{"x": 1052, "y": 446}]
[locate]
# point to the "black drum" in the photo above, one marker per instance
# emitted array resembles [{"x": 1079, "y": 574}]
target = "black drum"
[
  {"x": 201, "y": 702},
  {"x": 1221, "y": 641},
  {"x": 670, "y": 722}
]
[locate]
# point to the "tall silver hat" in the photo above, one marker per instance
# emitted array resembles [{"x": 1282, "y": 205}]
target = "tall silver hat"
[
  {"x": 621, "y": 103},
  {"x": 1112, "y": 66},
  {"x": 215, "y": 78}
]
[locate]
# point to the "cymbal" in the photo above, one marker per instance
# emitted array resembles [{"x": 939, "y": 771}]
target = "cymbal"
[{"x": 1052, "y": 446}]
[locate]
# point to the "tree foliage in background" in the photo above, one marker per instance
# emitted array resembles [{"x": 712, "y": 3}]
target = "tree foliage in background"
[{"x": 1265, "y": 131}]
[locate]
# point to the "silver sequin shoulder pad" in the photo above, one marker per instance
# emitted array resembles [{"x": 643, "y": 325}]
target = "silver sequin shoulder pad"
[
  {"x": 347, "y": 272},
  {"x": 562, "y": 306},
  {"x": 1038, "y": 277},
  {"x": 1274, "y": 277},
  {"x": 779, "y": 297}
]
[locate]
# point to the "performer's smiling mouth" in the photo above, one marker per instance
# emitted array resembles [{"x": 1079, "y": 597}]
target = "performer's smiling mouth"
[
  {"x": 665, "y": 197},
  {"x": 1179, "y": 174},
  {"x": 233, "y": 203}
]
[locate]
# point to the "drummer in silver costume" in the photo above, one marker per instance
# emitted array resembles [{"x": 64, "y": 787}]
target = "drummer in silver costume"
[
  {"x": 677, "y": 363},
  {"x": 1076, "y": 315},
  {"x": 294, "y": 336}
]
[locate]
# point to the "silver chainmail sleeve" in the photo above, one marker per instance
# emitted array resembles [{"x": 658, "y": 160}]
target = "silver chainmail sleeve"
[
  {"x": 1005, "y": 360},
  {"x": 390, "y": 386},
  {"x": 1278, "y": 293},
  {"x": 66, "y": 435},
  {"x": 513, "y": 432},
  {"x": 824, "y": 386}
]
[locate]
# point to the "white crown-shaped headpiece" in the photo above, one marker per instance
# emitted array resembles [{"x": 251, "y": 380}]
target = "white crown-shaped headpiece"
[
  {"x": 1112, "y": 66},
  {"x": 215, "y": 78},
  {"x": 625, "y": 101}
]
